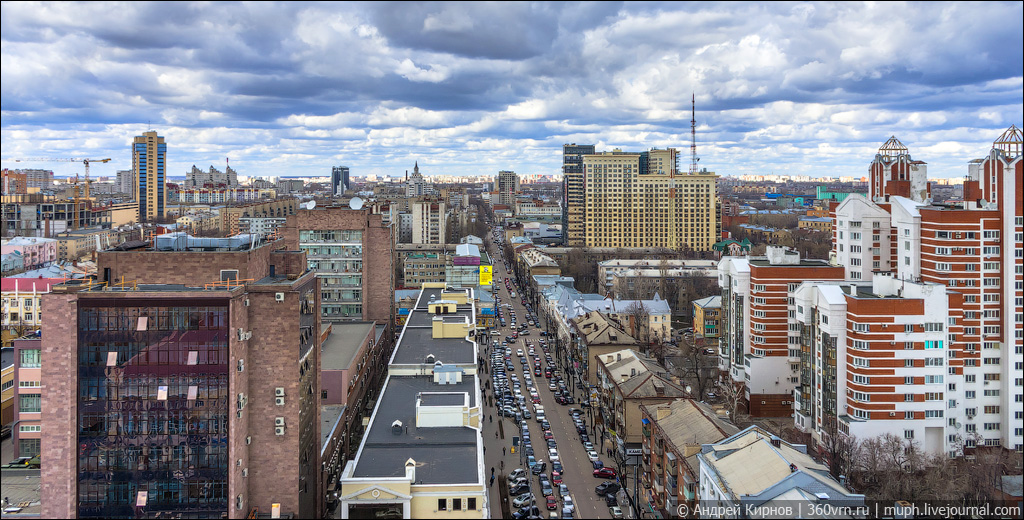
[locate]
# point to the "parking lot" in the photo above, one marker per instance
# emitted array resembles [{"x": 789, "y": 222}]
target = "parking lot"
[{"x": 532, "y": 463}]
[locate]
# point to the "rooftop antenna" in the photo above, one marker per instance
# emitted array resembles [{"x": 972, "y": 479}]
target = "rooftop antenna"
[{"x": 693, "y": 134}]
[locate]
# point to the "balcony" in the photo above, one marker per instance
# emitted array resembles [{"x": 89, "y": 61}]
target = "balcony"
[{"x": 646, "y": 449}]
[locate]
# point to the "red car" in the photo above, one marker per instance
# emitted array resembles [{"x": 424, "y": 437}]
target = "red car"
[
  {"x": 604, "y": 473},
  {"x": 556, "y": 478},
  {"x": 548, "y": 435},
  {"x": 552, "y": 503}
]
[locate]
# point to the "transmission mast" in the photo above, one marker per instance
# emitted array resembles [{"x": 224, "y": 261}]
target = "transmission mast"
[{"x": 693, "y": 134}]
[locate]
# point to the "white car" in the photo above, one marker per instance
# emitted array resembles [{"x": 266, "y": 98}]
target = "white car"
[
  {"x": 592, "y": 455},
  {"x": 519, "y": 352},
  {"x": 522, "y": 500},
  {"x": 553, "y": 455}
]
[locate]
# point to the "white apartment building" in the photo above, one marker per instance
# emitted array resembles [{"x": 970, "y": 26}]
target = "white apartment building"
[{"x": 875, "y": 358}]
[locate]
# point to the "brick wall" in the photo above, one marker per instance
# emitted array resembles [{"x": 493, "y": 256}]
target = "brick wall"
[
  {"x": 378, "y": 252},
  {"x": 238, "y": 382},
  {"x": 58, "y": 477},
  {"x": 193, "y": 268},
  {"x": 772, "y": 406},
  {"x": 274, "y": 362}
]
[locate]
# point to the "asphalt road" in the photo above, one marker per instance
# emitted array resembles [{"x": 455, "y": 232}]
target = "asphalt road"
[{"x": 578, "y": 469}]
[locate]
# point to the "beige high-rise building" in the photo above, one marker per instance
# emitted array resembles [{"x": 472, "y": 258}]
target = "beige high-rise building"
[
  {"x": 508, "y": 185},
  {"x": 573, "y": 199},
  {"x": 149, "y": 160},
  {"x": 429, "y": 221},
  {"x": 642, "y": 200}
]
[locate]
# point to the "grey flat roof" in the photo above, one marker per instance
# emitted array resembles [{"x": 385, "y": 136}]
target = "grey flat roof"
[
  {"x": 443, "y": 455},
  {"x": 343, "y": 343},
  {"x": 7, "y": 357},
  {"x": 418, "y": 343},
  {"x": 419, "y": 319},
  {"x": 442, "y": 399},
  {"x": 329, "y": 415}
]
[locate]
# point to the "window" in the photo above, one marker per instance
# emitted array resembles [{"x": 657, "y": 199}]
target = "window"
[
  {"x": 442, "y": 504},
  {"x": 908, "y": 434},
  {"x": 456, "y": 504},
  {"x": 30, "y": 358},
  {"x": 29, "y": 447},
  {"x": 471, "y": 503},
  {"x": 30, "y": 402}
]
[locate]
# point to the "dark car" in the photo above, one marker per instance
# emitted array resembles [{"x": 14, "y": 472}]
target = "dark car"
[
  {"x": 605, "y": 473},
  {"x": 526, "y": 512},
  {"x": 605, "y": 488},
  {"x": 557, "y": 466},
  {"x": 584, "y": 437},
  {"x": 610, "y": 500},
  {"x": 598, "y": 464},
  {"x": 519, "y": 490}
]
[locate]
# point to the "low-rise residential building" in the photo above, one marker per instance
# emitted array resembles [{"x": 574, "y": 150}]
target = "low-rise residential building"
[
  {"x": 785, "y": 475},
  {"x": 673, "y": 434},
  {"x": 422, "y": 454},
  {"x": 592, "y": 335},
  {"x": 420, "y": 268},
  {"x": 706, "y": 316},
  {"x": 77, "y": 245},
  {"x": 626, "y": 380},
  {"x": 22, "y": 305},
  {"x": 12, "y": 262},
  {"x": 823, "y": 224},
  {"x": 35, "y": 252},
  {"x": 650, "y": 270},
  {"x": 231, "y": 217}
]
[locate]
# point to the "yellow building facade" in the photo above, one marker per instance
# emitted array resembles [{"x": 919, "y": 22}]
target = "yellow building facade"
[{"x": 641, "y": 200}]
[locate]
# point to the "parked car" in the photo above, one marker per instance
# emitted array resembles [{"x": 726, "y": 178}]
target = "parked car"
[
  {"x": 522, "y": 500},
  {"x": 616, "y": 512},
  {"x": 610, "y": 500},
  {"x": 556, "y": 477},
  {"x": 604, "y": 488},
  {"x": 551, "y": 503},
  {"x": 604, "y": 473}
]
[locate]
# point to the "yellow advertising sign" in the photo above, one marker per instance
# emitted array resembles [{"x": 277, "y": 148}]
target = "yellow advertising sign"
[{"x": 486, "y": 272}]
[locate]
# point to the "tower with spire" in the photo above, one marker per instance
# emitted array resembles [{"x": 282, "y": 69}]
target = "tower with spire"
[{"x": 415, "y": 184}]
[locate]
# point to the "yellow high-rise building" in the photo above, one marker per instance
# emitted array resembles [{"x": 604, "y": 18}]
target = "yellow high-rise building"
[
  {"x": 149, "y": 160},
  {"x": 641, "y": 200}
]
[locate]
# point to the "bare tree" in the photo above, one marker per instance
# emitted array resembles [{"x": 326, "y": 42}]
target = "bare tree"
[
  {"x": 698, "y": 369},
  {"x": 837, "y": 448},
  {"x": 639, "y": 322}
]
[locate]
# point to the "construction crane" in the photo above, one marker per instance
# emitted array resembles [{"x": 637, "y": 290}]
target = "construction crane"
[
  {"x": 86, "y": 162},
  {"x": 62, "y": 159}
]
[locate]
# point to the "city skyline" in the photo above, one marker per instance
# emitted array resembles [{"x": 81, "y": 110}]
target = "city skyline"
[{"x": 290, "y": 90}]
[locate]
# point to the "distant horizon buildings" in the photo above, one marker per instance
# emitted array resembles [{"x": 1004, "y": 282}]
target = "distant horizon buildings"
[
  {"x": 339, "y": 180},
  {"x": 149, "y": 158}
]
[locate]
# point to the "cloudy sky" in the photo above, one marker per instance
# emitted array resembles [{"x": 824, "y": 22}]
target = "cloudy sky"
[{"x": 293, "y": 88}]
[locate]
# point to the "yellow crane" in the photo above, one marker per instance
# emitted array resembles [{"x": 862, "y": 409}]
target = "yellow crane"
[{"x": 87, "y": 181}]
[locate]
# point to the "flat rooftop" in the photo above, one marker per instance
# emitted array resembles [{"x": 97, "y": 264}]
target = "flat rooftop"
[
  {"x": 343, "y": 343},
  {"x": 446, "y": 399},
  {"x": 329, "y": 415},
  {"x": 417, "y": 342},
  {"x": 443, "y": 455},
  {"x": 804, "y": 262}
]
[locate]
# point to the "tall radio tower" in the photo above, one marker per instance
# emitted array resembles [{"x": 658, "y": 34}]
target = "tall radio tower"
[{"x": 693, "y": 134}]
